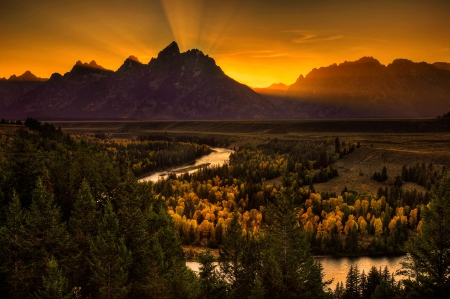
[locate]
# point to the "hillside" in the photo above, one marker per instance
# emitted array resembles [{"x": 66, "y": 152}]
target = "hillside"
[{"x": 366, "y": 88}]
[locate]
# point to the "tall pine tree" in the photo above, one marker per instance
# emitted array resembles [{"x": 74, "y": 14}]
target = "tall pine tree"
[
  {"x": 14, "y": 251},
  {"x": 289, "y": 268},
  {"x": 429, "y": 251},
  {"x": 47, "y": 234},
  {"x": 110, "y": 258},
  {"x": 83, "y": 226}
]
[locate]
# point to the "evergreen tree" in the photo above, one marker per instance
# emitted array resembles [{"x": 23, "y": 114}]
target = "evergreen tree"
[
  {"x": 169, "y": 276},
  {"x": 25, "y": 165},
  {"x": 211, "y": 286},
  {"x": 351, "y": 240},
  {"x": 339, "y": 291},
  {"x": 429, "y": 251},
  {"x": 133, "y": 227},
  {"x": 83, "y": 226},
  {"x": 373, "y": 280},
  {"x": 14, "y": 251},
  {"x": 289, "y": 270},
  {"x": 352, "y": 283},
  {"x": 109, "y": 257},
  {"x": 48, "y": 236},
  {"x": 55, "y": 285},
  {"x": 231, "y": 255}
]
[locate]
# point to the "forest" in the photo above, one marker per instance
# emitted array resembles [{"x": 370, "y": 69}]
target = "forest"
[{"x": 76, "y": 223}]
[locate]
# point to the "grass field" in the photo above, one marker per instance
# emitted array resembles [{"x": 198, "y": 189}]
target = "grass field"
[{"x": 385, "y": 142}]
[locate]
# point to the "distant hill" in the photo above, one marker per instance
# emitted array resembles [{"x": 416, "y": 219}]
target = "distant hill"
[
  {"x": 366, "y": 88},
  {"x": 174, "y": 85}
]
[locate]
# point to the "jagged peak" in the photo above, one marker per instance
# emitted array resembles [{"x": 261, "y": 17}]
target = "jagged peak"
[
  {"x": 361, "y": 61},
  {"x": 170, "y": 51},
  {"x": 129, "y": 63},
  {"x": 27, "y": 76},
  {"x": 91, "y": 64},
  {"x": 134, "y": 58}
]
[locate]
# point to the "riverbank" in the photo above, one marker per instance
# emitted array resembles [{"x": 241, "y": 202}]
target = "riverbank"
[{"x": 217, "y": 156}]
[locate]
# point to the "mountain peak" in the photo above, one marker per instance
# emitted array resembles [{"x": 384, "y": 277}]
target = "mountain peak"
[
  {"x": 134, "y": 58},
  {"x": 170, "y": 51},
  {"x": 278, "y": 86},
  {"x": 130, "y": 63},
  {"x": 91, "y": 64},
  {"x": 27, "y": 76}
]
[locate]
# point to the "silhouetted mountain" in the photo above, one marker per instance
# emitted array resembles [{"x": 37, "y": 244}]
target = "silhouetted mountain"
[
  {"x": 17, "y": 86},
  {"x": 442, "y": 65},
  {"x": 366, "y": 88},
  {"x": 27, "y": 76},
  {"x": 190, "y": 85},
  {"x": 174, "y": 85},
  {"x": 275, "y": 92}
]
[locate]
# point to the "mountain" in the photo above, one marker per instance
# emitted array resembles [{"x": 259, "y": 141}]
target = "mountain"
[
  {"x": 174, "y": 85},
  {"x": 16, "y": 86},
  {"x": 27, "y": 77},
  {"x": 442, "y": 65},
  {"x": 275, "y": 93},
  {"x": 190, "y": 85},
  {"x": 366, "y": 88}
]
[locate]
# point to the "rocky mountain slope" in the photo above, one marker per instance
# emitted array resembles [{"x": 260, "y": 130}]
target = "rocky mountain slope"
[
  {"x": 174, "y": 85},
  {"x": 366, "y": 88},
  {"x": 190, "y": 85},
  {"x": 16, "y": 86}
]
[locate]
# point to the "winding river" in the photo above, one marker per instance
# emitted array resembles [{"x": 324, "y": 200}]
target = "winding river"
[
  {"x": 218, "y": 157},
  {"x": 337, "y": 268},
  {"x": 334, "y": 268}
]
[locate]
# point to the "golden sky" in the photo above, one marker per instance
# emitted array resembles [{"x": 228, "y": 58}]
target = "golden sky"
[{"x": 256, "y": 42}]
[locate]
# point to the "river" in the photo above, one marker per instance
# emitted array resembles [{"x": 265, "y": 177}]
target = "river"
[
  {"x": 337, "y": 268},
  {"x": 334, "y": 268},
  {"x": 218, "y": 157}
]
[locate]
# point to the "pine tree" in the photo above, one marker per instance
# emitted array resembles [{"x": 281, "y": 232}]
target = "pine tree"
[
  {"x": 14, "y": 250},
  {"x": 211, "y": 286},
  {"x": 109, "y": 258},
  {"x": 352, "y": 283},
  {"x": 83, "y": 226},
  {"x": 429, "y": 251},
  {"x": 130, "y": 201},
  {"x": 48, "y": 236},
  {"x": 169, "y": 276},
  {"x": 230, "y": 254},
  {"x": 55, "y": 285},
  {"x": 289, "y": 270},
  {"x": 373, "y": 280},
  {"x": 339, "y": 291}
]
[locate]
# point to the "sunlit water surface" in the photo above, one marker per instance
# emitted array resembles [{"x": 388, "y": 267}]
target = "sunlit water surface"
[{"x": 337, "y": 268}]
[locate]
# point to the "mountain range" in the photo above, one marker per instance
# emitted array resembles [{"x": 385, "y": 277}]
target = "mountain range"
[{"x": 190, "y": 85}]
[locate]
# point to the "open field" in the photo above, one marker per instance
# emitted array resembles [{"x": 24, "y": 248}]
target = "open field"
[{"x": 385, "y": 142}]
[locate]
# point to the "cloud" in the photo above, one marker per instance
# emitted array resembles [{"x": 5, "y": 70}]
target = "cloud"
[
  {"x": 267, "y": 54},
  {"x": 313, "y": 38}
]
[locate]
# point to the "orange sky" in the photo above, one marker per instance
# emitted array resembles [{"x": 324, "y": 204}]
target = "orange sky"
[{"x": 256, "y": 42}]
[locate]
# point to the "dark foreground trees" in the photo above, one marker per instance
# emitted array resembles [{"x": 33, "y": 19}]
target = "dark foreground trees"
[
  {"x": 428, "y": 262},
  {"x": 273, "y": 264},
  {"x": 289, "y": 270}
]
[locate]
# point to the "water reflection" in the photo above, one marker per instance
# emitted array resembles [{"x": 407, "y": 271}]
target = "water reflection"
[
  {"x": 218, "y": 157},
  {"x": 337, "y": 268}
]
